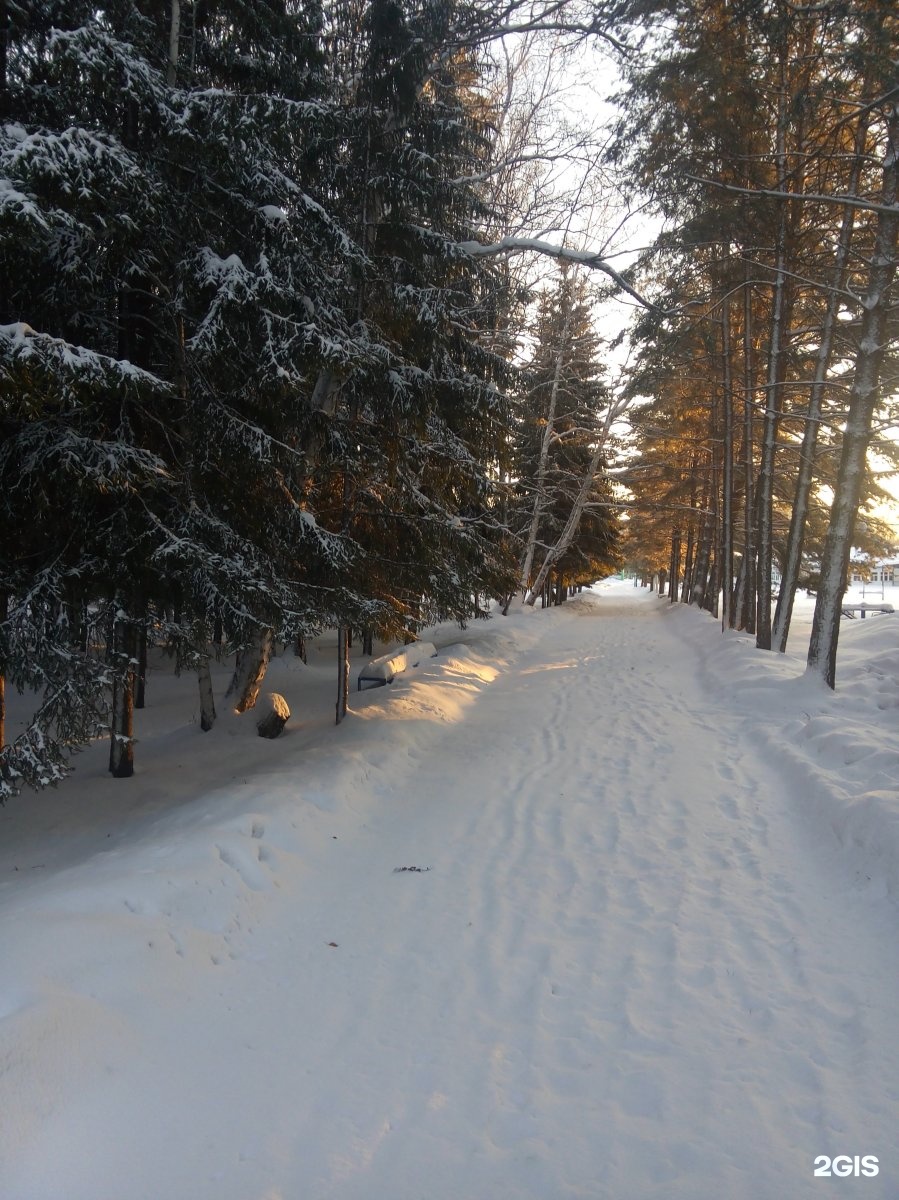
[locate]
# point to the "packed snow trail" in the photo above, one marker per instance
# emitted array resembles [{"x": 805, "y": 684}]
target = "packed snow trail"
[{"x": 624, "y": 969}]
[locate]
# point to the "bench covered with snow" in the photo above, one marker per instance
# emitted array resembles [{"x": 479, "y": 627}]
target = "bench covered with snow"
[
  {"x": 849, "y": 610},
  {"x": 385, "y": 669}
]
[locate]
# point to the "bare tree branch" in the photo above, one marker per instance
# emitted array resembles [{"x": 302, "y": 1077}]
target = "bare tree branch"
[{"x": 805, "y": 197}]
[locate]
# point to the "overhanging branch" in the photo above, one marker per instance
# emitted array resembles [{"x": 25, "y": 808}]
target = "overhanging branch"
[{"x": 584, "y": 258}]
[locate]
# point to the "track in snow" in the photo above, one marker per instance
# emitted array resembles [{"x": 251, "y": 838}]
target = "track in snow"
[{"x": 628, "y": 972}]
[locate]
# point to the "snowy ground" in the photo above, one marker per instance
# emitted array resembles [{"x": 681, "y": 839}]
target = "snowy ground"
[{"x": 651, "y": 950}]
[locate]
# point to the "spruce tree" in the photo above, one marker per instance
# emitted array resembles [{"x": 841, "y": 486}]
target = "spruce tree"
[{"x": 560, "y": 422}]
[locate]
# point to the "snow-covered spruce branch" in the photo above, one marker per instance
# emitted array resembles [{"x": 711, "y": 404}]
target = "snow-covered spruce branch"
[
  {"x": 584, "y": 258},
  {"x": 20, "y": 343}
]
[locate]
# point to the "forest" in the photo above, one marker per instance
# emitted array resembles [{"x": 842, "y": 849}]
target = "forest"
[{"x": 304, "y": 326}]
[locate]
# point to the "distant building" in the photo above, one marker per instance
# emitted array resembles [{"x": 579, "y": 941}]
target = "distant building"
[{"x": 882, "y": 571}]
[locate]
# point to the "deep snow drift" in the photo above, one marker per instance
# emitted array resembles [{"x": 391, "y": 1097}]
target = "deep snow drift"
[{"x": 649, "y": 949}]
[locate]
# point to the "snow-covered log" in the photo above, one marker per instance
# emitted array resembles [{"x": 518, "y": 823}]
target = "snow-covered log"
[
  {"x": 385, "y": 669},
  {"x": 275, "y": 715}
]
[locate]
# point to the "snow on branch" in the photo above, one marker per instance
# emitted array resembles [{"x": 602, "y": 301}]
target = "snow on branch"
[
  {"x": 92, "y": 51},
  {"x": 81, "y": 162},
  {"x": 15, "y": 203},
  {"x": 584, "y": 258},
  {"x": 19, "y": 344}
]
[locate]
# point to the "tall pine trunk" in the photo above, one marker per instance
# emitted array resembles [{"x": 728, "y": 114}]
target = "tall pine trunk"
[
  {"x": 773, "y": 390},
  {"x": 703, "y": 549},
  {"x": 674, "y": 568},
  {"x": 744, "y": 601},
  {"x": 822, "y": 653},
  {"x": 799, "y": 515},
  {"x": 727, "y": 483}
]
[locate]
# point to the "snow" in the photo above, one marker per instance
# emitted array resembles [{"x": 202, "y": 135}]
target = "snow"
[
  {"x": 273, "y": 212},
  {"x": 650, "y": 950},
  {"x": 387, "y": 666}
]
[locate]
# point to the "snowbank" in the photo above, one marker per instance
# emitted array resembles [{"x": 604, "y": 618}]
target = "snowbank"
[
  {"x": 839, "y": 749},
  {"x": 529, "y": 924}
]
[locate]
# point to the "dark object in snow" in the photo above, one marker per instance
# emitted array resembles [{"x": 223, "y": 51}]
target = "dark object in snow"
[
  {"x": 275, "y": 714},
  {"x": 383, "y": 670},
  {"x": 849, "y": 610},
  {"x": 398, "y": 870},
  {"x": 334, "y": 944}
]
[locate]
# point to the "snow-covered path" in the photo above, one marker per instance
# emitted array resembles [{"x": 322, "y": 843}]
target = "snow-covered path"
[{"x": 630, "y": 970}]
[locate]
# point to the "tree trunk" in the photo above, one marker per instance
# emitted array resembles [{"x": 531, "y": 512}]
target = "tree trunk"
[
  {"x": 799, "y": 515},
  {"x": 745, "y": 601},
  {"x": 140, "y": 694},
  {"x": 121, "y": 727},
  {"x": 689, "y": 571},
  {"x": 543, "y": 460},
  {"x": 566, "y": 537},
  {"x": 249, "y": 670},
  {"x": 703, "y": 551},
  {"x": 675, "y": 566},
  {"x": 343, "y": 673},
  {"x": 773, "y": 391},
  {"x": 4, "y": 58},
  {"x": 299, "y": 647},
  {"x": 863, "y": 397},
  {"x": 4, "y": 613},
  {"x": 174, "y": 43},
  {"x": 710, "y": 599},
  {"x": 207, "y": 700},
  {"x": 727, "y": 484},
  {"x": 367, "y": 643}
]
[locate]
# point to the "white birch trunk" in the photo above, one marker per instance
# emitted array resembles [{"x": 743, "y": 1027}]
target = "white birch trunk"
[
  {"x": 566, "y": 537},
  {"x": 539, "y": 491}
]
